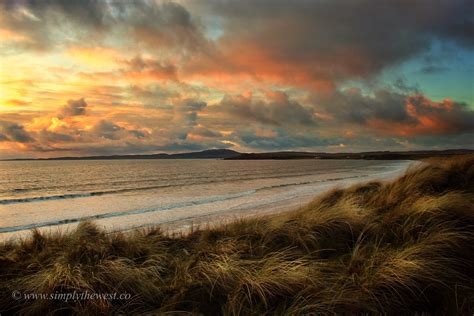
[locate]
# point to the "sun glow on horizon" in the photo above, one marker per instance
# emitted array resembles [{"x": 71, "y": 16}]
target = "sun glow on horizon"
[{"x": 138, "y": 77}]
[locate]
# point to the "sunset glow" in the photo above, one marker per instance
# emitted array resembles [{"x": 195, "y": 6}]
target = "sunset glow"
[{"x": 127, "y": 77}]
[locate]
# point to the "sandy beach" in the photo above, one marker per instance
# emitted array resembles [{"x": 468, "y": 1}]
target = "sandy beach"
[{"x": 182, "y": 208}]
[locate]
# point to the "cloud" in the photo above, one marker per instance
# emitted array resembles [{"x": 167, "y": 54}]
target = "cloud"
[
  {"x": 352, "y": 106},
  {"x": 13, "y": 132},
  {"x": 48, "y": 137},
  {"x": 186, "y": 111},
  {"x": 153, "y": 93},
  {"x": 204, "y": 132},
  {"x": 136, "y": 71},
  {"x": 39, "y": 20},
  {"x": 277, "y": 110},
  {"x": 256, "y": 74},
  {"x": 74, "y": 108},
  {"x": 166, "y": 25},
  {"x": 433, "y": 69},
  {"x": 95, "y": 57},
  {"x": 464, "y": 140},
  {"x": 444, "y": 117},
  {"x": 138, "y": 68},
  {"x": 396, "y": 113},
  {"x": 317, "y": 43},
  {"x": 312, "y": 44},
  {"x": 281, "y": 141},
  {"x": 138, "y": 134},
  {"x": 107, "y": 130},
  {"x": 111, "y": 131}
]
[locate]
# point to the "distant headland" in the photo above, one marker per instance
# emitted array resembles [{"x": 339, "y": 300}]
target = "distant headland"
[{"x": 228, "y": 154}]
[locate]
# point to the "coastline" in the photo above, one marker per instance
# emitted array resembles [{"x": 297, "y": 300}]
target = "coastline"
[
  {"x": 191, "y": 215},
  {"x": 226, "y": 217},
  {"x": 402, "y": 246},
  {"x": 227, "y": 154}
]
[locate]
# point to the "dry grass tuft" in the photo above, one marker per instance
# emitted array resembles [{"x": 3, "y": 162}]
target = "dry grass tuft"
[{"x": 401, "y": 247}]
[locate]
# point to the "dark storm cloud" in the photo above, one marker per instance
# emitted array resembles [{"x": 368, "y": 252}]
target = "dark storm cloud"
[
  {"x": 156, "y": 25},
  {"x": 112, "y": 131},
  {"x": 278, "y": 110},
  {"x": 450, "y": 116},
  {"x": 37, "y": 20},
  {"x": 298, "y": 41},
  {"x": 339, "y": 39},
  {"x": 14, "y": 132},
  {"x": 397, "y": 112},
  {"x": 86, "y": 11},
  {"x": 166, "y": 24},
  {"x": 282, "y": 142},
  {"x": 151, "y": 67},
  {"x": 354, "y": 107},
  {"x": 46, "y": 136},
  {"x": 187, "y": 111},
  {"x": 74, "y": 108},
  {"x": 304, "y": 47},
  {"x": 107, "y": 129}
]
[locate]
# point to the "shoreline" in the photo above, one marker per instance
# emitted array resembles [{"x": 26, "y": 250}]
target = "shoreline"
[
  {"x": 226, "y": 217},
  {"x": 404, "y": 246},
  {"x": 228, "y": 212}
]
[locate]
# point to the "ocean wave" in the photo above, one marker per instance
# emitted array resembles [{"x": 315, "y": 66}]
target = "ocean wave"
[
  {"x": 173, "y": 180},
  {"x": 124, "y": 190},
  {"x": 46, "y": 198},
  {"x": 212, "y": 199},
  {"x": 311, "y": 182},
  {"x": 74, "y": 196}
]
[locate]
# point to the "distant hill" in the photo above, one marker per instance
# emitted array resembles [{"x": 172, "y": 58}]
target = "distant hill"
[
  {"x": 205, "y": 154},
  {"x": 228, "y": 154},
  {"x": 374, "y": 155}
]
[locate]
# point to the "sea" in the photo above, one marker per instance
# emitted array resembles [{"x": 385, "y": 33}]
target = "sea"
[{"x": 119, "y": 195}]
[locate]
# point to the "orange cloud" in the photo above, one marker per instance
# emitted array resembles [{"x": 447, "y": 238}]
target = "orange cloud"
[
  {"x": 240, "y": 63},
  {"x": 149, "y": 75},
  {"x": 428, "y": 118},
  {"x": 266, "y": 133},
  {"x": 134, "y": 71},
  {"x": 9, "y": 35},
  {"x": 96, "y": 57}
]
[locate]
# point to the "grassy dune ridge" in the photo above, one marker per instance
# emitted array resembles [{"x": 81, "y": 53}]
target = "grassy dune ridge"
[{"x": 401, "y": 247}]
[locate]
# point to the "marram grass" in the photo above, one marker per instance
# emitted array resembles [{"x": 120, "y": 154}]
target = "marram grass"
[{"x": 404, "y": 247}]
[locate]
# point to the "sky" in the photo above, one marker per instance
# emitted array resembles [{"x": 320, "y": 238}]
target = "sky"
[{"x": 105, "y": 77}]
